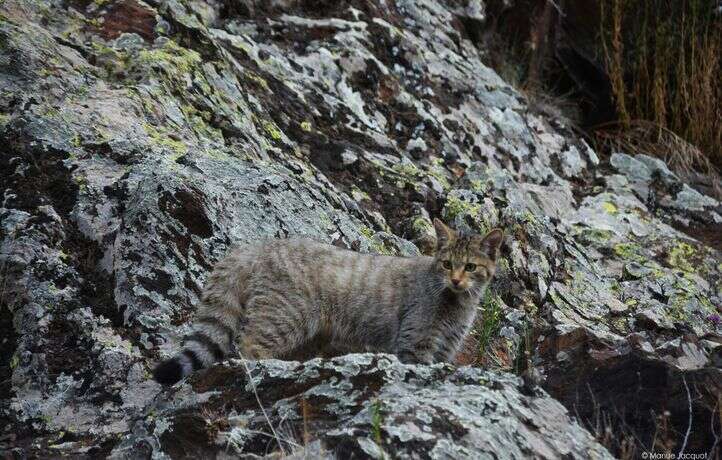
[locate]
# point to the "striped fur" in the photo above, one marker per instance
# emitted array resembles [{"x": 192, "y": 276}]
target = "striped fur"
[{"x": 280, "y": 296}]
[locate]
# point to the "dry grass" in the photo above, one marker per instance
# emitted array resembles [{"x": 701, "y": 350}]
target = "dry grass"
[
  {"x": 646, "y": 137},
  {"x": 663, "y": 62}
]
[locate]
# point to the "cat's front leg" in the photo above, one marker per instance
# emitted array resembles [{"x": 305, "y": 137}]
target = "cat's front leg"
[
  {"x": 418, "y": 352},
  {"x": 449, "y": 347},
  {"x": 419, "y": 355},
  {"x": 413, "y": 344},
  {"x": 451, "y": 333}
]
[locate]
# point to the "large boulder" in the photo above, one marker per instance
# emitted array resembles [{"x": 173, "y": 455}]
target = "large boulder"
[{"x": 356, "y": 406}]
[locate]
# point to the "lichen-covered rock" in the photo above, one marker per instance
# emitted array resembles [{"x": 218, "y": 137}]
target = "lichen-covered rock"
[
  {"x": 356, "y": 406},
  {"x": 140, "y": 139}
]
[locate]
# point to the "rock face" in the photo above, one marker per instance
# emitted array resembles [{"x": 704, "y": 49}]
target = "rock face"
[
  {"x": 363, "y": 406},
  {"x": 140, "y": 139}
]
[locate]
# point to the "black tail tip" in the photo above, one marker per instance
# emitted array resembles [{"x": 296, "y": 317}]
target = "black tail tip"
[{"x": 168, "y": 372}]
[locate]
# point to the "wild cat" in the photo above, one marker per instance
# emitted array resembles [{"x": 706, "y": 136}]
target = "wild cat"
[{"x": 282, "y": 295}]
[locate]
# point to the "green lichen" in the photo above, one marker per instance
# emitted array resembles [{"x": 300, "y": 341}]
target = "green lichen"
[
  {"x": 686, "y": 300},
  {"x": 422, "y": 226},
  {"x": 376, "y": 246},
  {"x": 367, "y": 232},
  {"x": 14, "y": 361},
  {"x": 478, "y": 186},
  {"x": 325, "y": 220},
  {"x": 707, "y": 304},
  {"x": 94, "y": 22},
  {"x": 679, "y": 257},
  {"x": 260, "y": 81},
  {"x": 4, "y": 120},
  {"x": 529, "y": 218},
  {"x": 359, "y": 195},
  {"x": 676, "y": 310},
  {"x": 407, "y": 170},
  {"x": 171, "y": 57},
  {"x": 83, "y": 90},
  {"x": 51, "y": 112},
  {"x": 82, "y": 182},
  {"x": 437, "y": 172},
  {"x": 306, "y": 126},
  {"x": 595, "y": 235},
  {"x": 162, "y": 139},
  {"x": 241, "y": 46},
  {"x": 198, "y": 121},
  {"x": 456, "y": 207},
  {"x": 272, "y": 130},
  {"x": 629, "y": 251}
]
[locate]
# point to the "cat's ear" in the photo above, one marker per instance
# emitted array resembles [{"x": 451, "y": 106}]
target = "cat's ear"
[
  {"x": 491, "y": 242},
  {"x": 443, "y": 233}
]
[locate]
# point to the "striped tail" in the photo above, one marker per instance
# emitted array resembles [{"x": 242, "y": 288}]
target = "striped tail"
[{"x": 210, "y": 342}]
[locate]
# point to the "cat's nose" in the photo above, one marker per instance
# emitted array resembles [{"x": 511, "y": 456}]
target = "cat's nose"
[{"x": 455, "y": 281}]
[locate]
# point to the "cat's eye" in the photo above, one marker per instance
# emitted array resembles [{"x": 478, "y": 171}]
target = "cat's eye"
[
  {"x": 470, "y": 267},
  {"x": 446, "y": 264}
]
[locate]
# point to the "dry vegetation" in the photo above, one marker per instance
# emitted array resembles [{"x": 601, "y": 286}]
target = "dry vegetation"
[
  {"x": 644, "y": 74},
  {"x": 663, "y": 62}
]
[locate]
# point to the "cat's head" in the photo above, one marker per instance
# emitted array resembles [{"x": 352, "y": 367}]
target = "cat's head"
[{"x": 466, "y": 261}]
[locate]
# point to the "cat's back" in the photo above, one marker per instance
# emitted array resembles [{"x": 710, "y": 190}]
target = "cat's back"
[{"x": 324, "y": 266}]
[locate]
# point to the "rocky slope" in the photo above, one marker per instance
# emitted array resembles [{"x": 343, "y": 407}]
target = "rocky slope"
[{"x": 139, "y": 140}]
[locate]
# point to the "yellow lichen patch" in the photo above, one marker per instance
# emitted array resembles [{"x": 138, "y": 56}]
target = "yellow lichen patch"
[
  {"x": 306, "y": 126},
  {"x": 609, "y": 208},
  {"x": 260, "y": 81},
  {"x": 679, "y": 257}
]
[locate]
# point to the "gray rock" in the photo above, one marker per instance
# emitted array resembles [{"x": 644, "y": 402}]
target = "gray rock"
[
  {"x": 634, "y": 169},
  {"x": 358, "y": 406}
]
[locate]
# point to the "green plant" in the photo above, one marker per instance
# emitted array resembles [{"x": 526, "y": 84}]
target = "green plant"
[
  {"x": 376, "y": 421},
  {"x": 490, "y": 322}
]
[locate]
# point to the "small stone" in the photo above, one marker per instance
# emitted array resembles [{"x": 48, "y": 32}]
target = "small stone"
[
  {"x": 635, "y": 270},
  {"x": 348, "y": 157},
  {"x": 651, "y": 319},
  {"x": 616, "y": 306},
  {"x": 634, "y": 169}
]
